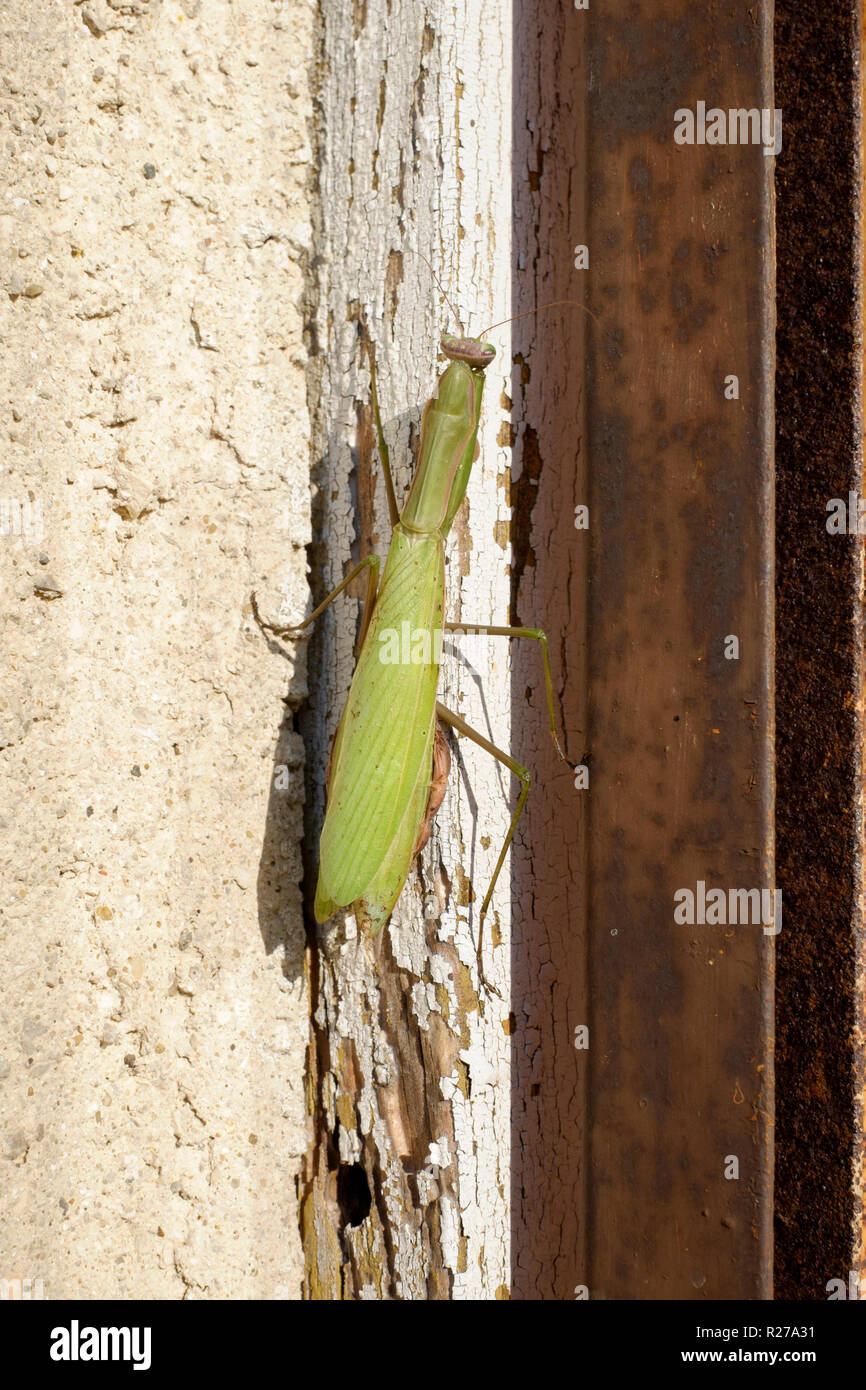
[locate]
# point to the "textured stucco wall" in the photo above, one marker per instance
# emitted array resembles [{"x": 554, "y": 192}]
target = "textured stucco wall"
[{"x": 154, "y": 225}]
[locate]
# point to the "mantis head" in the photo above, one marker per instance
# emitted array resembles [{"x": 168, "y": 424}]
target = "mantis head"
[{"x": 470, "y": 350}]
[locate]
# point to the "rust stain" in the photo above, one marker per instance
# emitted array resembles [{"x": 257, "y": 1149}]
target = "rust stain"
[{"x": 523, "y": 497}]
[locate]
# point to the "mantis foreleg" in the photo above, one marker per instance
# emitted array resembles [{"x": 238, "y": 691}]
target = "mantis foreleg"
[
  {"x": 393, "y": 509},
  {"x": 371, "y": 562}
]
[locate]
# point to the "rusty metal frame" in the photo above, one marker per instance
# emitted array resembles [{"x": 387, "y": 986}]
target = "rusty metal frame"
[
  {"x": 819, "y": 405},
  {"x": 639, "y": 1202}
]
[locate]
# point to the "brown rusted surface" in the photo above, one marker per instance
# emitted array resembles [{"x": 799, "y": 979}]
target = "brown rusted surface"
[
  {"x": 678, "y": 557},
  {"x": 819, "y": 1173},
  {"x": 548, "y": 969}
]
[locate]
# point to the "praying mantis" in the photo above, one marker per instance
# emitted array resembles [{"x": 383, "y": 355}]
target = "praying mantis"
[{"x": 390, "y": 759}]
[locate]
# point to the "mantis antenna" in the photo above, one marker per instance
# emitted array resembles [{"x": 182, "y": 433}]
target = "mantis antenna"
[
  {"x": 457, "y": 318},
  {"x": 539, "y": 309}
]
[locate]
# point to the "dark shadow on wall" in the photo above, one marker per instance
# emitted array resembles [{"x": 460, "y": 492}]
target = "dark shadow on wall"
[
  {"x": 278, "y": 889},
  {"x": 287, "y": 884}
]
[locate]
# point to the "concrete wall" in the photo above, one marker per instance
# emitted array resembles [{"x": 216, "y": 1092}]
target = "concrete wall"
[{"x": 154, "y": 231}]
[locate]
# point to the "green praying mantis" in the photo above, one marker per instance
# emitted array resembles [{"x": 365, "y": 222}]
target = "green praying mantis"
[{"x": 390, "y": 759}]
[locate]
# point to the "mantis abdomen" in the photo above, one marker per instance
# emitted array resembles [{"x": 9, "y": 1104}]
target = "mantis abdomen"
[{"x": 381, "y": 767}]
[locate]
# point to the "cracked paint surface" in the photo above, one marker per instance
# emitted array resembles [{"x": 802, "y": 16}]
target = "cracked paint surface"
[{"x": 408, "y": 1051}]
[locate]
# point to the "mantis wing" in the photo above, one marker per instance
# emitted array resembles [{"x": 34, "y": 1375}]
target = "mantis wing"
[
  {"x": 381, "y": 769},
  {"x": 381, "y": 893}
]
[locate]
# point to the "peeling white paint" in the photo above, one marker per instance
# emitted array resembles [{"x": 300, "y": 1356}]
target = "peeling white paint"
[{"x": 380, "y": 196}]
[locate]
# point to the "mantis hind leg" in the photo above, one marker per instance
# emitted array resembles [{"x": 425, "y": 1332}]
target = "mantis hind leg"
[
  {"x": 536, "y": 635},
  {"x": 454, "y": 721}
]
